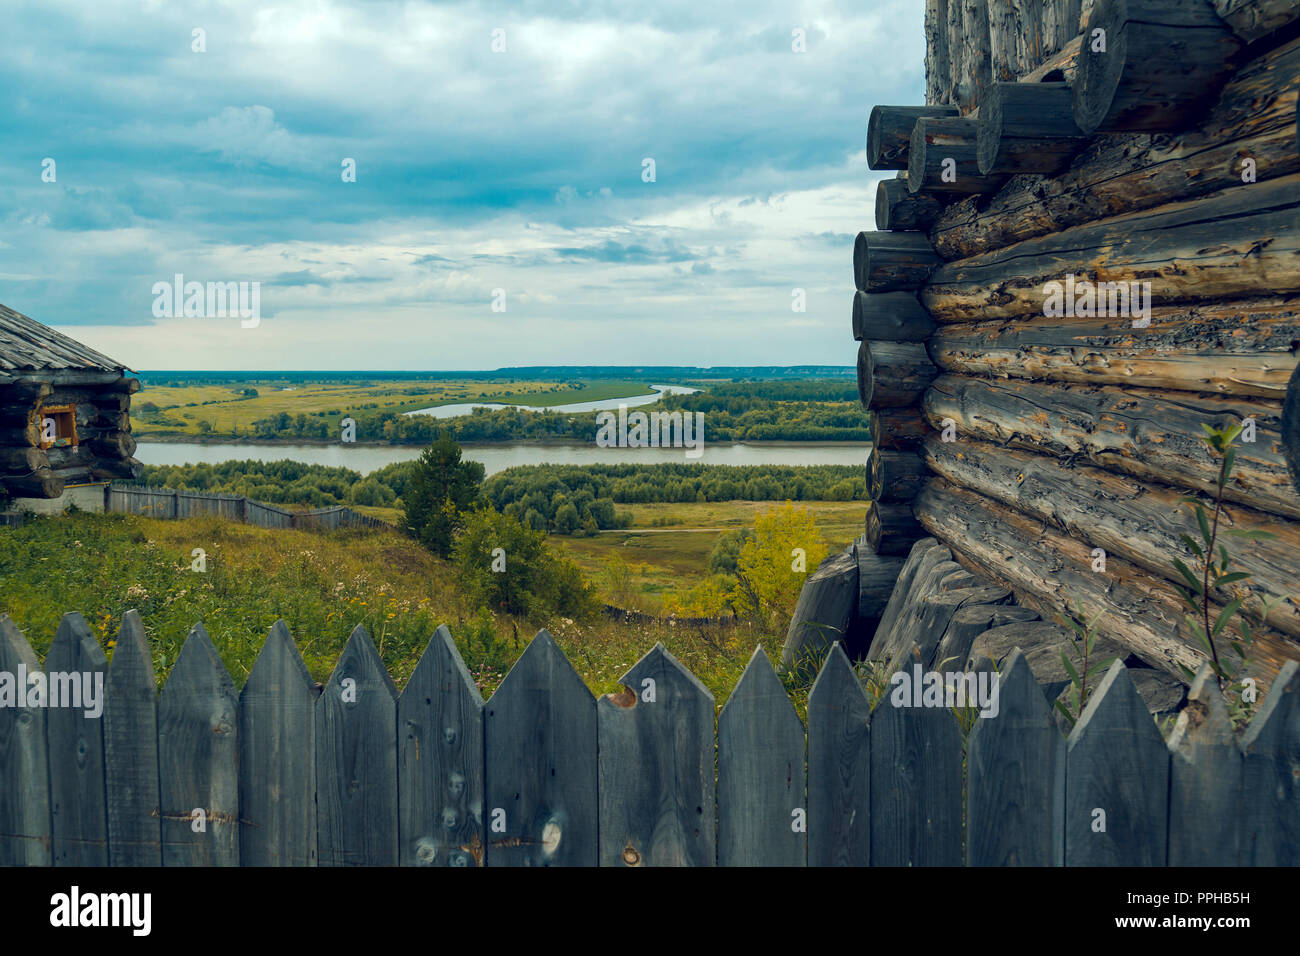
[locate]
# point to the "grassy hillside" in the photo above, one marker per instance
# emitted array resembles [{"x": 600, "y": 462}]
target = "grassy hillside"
[{"x": 322, "y": 585}]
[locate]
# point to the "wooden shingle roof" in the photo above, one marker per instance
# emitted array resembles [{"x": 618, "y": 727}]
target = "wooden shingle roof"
[{"x": 25, "y": 344}]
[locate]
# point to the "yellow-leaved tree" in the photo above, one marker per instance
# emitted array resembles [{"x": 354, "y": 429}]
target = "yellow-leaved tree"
[{"x": 773, "y": 564}]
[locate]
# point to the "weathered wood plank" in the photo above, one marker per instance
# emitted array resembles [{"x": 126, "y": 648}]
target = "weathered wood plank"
[
  {"x": 889, "y": 132},
  {"x": 1230, "y": 348},
  {"x": 25, "y": 783},
  {"x": 839, "y": 766},
  {"x": 1144, "y": 524},
  {"x": 890, "y": 316},
  {"x": 1116, "y": 780},
  {"x": 1047, "y": 569},
  {"x": 1236, "y": 243},
  {"x": 1161, "y": 62},
  {"x": 1015, "y": 789},
  {"x": 892, "y": 261},
  {"x": 825, "y": 609},
  {"x": 198, "y": 757},
  {"x": 1253, "y": 119},
  {"x": 440, "y": 763},
  {"x": 541, "y": 772},
  {"x": 937, "y": 69},
  {"x": 1205, "y": 777},
  {"x": 131, "y": 750},
  {"x": 78, "y": 809},
  {"x": 277, "y": 757},
  {"x": 1271, "y": 782},
  {"x": 356, "y": 761},
  {"x": 1026, "y": 128},
  {"x": 916, "y": 784},
  {"x": 1153, "y": 435},
  {"x": 656, "y": 768},
  {"x": 1253, "y": 20},
  {"x": 762, "y": 810}
]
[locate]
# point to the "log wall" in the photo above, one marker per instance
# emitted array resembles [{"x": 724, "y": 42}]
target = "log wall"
[{"x": 1051, "y": 332}]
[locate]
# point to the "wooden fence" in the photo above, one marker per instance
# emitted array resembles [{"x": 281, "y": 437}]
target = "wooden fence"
[
  {"x": 173, "y": 503},
  {"x": 286, "y": 773}
]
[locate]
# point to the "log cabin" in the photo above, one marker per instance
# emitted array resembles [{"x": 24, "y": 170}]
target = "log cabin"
[
  {"x": 65, "y": 428},
  {"x": 1046, "y": 458}
]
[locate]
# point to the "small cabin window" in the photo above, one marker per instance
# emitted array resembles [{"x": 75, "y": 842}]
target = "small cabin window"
[{"x": 58, "y": 425}]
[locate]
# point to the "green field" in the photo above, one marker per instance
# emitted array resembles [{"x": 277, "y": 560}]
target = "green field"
[{"x": 183, "y": 409}]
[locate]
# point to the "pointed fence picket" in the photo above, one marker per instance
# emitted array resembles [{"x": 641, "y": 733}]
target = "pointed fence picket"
[
  {"x": 762, "y": 810},
  {"x": 78, "y": 811},
  {"x": 540, "y": 767},
  {"x": 24, "y": 772},
  {"x": 839, "y": 766},
  {"x": 440, "y": 763},
  {"x": 356, "y": 761},
  {"x": 657, "y": 767},
  {"x": 131, "y": 751},
  {"x": 277, "y": 757},
  {"x": 1116, "y": 780},
  {"x": 543, "y": 774}
]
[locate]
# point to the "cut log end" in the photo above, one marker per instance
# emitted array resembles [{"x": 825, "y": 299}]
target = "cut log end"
[
  {"x": 1027, "y": 128},
  {"x": 889, "y": 132}
]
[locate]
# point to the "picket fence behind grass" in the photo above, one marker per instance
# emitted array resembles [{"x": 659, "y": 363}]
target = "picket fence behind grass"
[
  {"x": 173, "y": 503},
  {"x": 287, "y": 773}
]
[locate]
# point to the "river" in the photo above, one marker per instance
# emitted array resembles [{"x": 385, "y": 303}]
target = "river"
[
  {"x": 631, "y": 401},
  {"x": 368, "y": 458}
]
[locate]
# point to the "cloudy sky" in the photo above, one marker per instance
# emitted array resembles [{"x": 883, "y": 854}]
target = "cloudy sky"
[{"x": 520, "y": 169}]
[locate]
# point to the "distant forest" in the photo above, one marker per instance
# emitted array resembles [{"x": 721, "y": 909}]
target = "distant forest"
[
  {"x": 796, "y": 410},
  {"x": 561, "y": 499},
  {"x": 682, "y": 373}
]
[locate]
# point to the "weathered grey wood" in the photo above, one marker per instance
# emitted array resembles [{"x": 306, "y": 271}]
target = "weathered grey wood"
[
  {"x": 356, "y": 760},
  {"x": 1116, "y": 762},
  {"x": 970, "y": 621},
  {"x": 1132, "y": 606},
  {"x": 976, "y": 68},
  {"x": 891, "y": 529},
  {"x": 1271, "y": 786},
  {"x": 277, "y": 757},
  {"x": 839, "y": 766},
  {"x": 1111, "y": 428},
  {"x": 762, "y": 809},
  {"x": 1240, "y": 348},
  {"x": 131, "y": 750},
  {"x": 898, "y": 428},
  {"x": 926, "y": 553},
  {"x": 1026, "y": 128},
  {"x": 1230, "y": 245},
  {"x": 890, "y": 316},
  {"x": 889, "y": 132},
  {"x": 928, "y": 613},
  {"x": 937, "y": 70},
  {"x": 1205, "y": 776},
  {"x": 540, "y": 732},
  {"x": 826, "y": 606},
  {"x": 1291, "y": 427},
  {"x": 877, "y": 576},
  {"x": 1253, "y": 20},
  {"x": 892, "y": 261},
  {"x": 24, "y": 782},
  {"x": 1015, "y": 788},
  {"x": 893, "y": 374},
  {"x": 1015, "y": 39},
  {"x": 901, "y": 475},
  {"x": 942, "y": 158},
  {"x": 78, "y": 810},
  {"x": 1114, "y": 175},
  {"x": 198, "y": 757},
  {"x": 1163, "y": 61},
  {"x": 440, "y": 763},
  {"x": 1144, "y": 524},
  {"x": 916, "y": 784},
  {"x": 898, "y": 210},
  {"x": 657, "y": 768}
]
